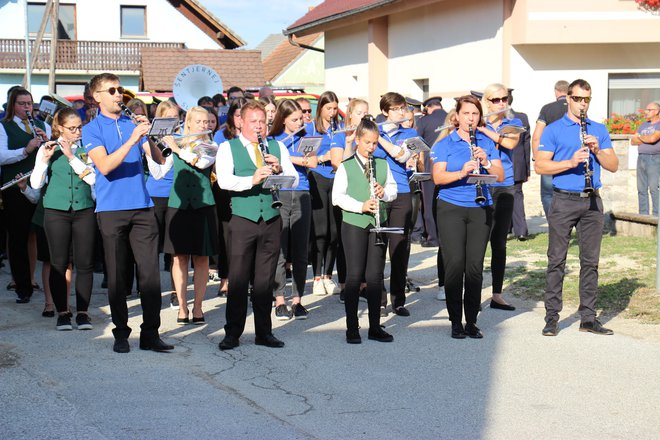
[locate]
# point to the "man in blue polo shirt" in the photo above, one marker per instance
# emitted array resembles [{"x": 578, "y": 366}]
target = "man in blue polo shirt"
[
  {"x": 564, "y": 154},
  {"x": 125, "y": 211}
]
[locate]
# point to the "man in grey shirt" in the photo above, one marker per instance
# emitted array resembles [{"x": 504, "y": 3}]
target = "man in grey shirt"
[{"x": 647, "y": 140}]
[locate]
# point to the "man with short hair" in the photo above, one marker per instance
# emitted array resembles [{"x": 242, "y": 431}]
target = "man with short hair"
[
  {"x": 566, "y": 153},
  {"x": 306, "y": 107},
  {"x": 647, "y": 140},
  {"x": 255, "y": 225},
  {"x": 125, "y": 212},
  {"x": 550, "y": 113},
  {"x": 234, "y": 92}
]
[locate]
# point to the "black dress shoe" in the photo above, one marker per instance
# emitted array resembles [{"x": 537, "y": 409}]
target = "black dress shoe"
[
  {"x": 457, "y": 331},
  {"x": 551, "y": 328},
  {"x": 155, "y": 344},
  {"x": 380, "y": 335},
  {"x": 269, "y": 341},
  {"x": 473, "y": 331},
  {"x": 402, "y": 311},
  {"x": 183, "y": 321},
  {"x": 228, "y": 343},
  {"x": 523, "y": 237},
  {"x": 353, "y": 337},
  {"x": 121, "y": 346},
  {"x": 595, "y": 327},
  {"x": 496, "y": 305},
  {"x": 198, "y": 321}
]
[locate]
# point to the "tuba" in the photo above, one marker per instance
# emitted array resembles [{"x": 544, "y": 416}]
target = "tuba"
[{"x": 193, "y": 82}]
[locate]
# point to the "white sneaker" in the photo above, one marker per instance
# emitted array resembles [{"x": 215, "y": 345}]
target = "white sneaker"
[
  {"x": 318, "y": 288},
  {"x": 331, "y": 288},
  {"x": 441, "y": 294}
]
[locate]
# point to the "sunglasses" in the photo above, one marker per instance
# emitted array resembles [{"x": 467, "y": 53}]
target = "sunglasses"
[
  {"x": 504, "y": 99},
  {"x": 586, "y": 99},
  {"x": 307, "y": 110},
  {"x": 113, "y": 90}
]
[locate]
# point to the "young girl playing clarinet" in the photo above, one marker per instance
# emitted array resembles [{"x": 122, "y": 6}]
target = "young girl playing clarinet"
[{"x": 362, "y": 185}]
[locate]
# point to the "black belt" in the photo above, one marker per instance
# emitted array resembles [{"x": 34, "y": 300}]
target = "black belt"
[{"x": 594, "y": 193}]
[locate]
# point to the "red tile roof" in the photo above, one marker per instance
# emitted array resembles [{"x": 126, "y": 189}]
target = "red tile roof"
[
  {"x": 285, "y": 54},
  {"x": 242, "y": 68},
  {"x": 333, "y": 9}
]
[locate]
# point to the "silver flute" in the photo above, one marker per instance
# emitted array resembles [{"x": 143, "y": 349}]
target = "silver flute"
[{"x": 15, "y": 181}]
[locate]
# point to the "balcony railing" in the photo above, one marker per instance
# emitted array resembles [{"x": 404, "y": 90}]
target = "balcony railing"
[{"x": 79, "y": 55}]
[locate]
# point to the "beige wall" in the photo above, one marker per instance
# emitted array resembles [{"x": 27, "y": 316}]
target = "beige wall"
[
  {"x": 307, "y": 71},
  {"x": 346, "y": 71}
]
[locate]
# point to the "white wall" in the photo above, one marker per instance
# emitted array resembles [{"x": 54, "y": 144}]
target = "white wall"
[
  {"x": 99, "y": 20},
  {"x": 346, "y": 58}
]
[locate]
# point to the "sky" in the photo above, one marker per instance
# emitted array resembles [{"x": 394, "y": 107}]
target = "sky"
[{"x": 254, "y": 20}]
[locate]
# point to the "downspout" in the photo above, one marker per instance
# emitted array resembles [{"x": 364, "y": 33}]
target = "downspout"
[{"x": 303, "y": 46}]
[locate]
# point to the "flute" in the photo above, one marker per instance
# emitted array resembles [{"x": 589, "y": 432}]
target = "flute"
[
  {"x": 588, "y": 184},
  {"x": 400, "y": 121},
  {"x": 15, "y": 181},
  {"x": 164, "y": 149}
]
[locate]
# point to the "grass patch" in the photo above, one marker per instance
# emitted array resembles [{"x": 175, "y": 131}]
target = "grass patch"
[{"x": 626, "y": 274}]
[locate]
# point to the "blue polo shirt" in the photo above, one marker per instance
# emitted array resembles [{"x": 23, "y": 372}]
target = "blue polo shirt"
[
  {"x": 330, "y": 141},
  {"x": 562, "y": 138},
  {"x": 219, "y": 137},
  {"x": 161, "y": 187},
  {"x": 504, "y": 154},
  {"x": 292, "y": 145},
  {"x": 124, "y": 188},
  {"x": 399, "y": 170},
  {"x": 454, "y": 151}
]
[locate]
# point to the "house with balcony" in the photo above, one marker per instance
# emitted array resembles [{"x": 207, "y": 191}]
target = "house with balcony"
[
  {"x": 422, "y": 48},
  {"x": 119, "y": 36}
]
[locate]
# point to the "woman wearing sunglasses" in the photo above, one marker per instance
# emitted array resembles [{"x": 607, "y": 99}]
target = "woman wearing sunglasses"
[
  {"x": 69, "y": 220},
  {"x": 495, "y": 102}
]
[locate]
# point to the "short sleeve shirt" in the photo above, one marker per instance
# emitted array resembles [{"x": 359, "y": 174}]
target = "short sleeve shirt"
[
  {"x": 648, "y": 128},
  {"x": 504, "y": 154},
  {"x": 330, "y": 140},
  {"x": 398, "y": 169}
]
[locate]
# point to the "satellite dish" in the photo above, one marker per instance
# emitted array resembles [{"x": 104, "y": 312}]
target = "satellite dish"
[{"x": 193, "y": 82}]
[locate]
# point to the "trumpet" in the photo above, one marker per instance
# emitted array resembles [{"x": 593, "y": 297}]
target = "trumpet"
[
  {"x": 480, "y": 198},
  {"x": 164, "y": 149},
  {"x": 275, "y": 189},
  {"x": 588, "y": 172},
  {"x": 15, "y": 181}
]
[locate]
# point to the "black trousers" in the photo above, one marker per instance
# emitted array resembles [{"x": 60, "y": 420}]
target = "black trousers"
[
  {"x": 125, "y": 231},
  {"x": 296, "y": 214},
  {"x": 440, "y": 264},
  {"x": 463, "y": 234},
  {"x": 326, "y": 219},
  {"x": 502, "y": 212},
  {"x": 399, "y": 214},
  {"x": 519, "y": 221},
  {"x": 429, "y": 195},
  {"x": 223, "y": 211},
  {"x": 18, "y": 219},
  {"x": 255, "y": 248},
  {"x": 364, "y": 262},
  {"x": 67, "y": 232},
  {"x": 586, "y": 215}
]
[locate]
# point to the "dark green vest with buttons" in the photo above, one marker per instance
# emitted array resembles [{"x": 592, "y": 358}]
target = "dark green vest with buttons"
[
  {"x": 358, "y": 188},
  {"x": 254, "y": 203},
  {"x": 65, "y": 189},
  {"x": 191, "y": 188},
  {"x": 17, "y": 139}
]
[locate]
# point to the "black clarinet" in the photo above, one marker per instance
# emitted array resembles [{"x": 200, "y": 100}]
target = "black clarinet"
[
  {"x": 275, "y": 189},
  {"x": 164, "y": 149},
  {"x": 372, "y": 194},
  {"x": 480, "y": 198},
  {"x": 588, "y": 172},
  {"x": 33, "y": 127}
]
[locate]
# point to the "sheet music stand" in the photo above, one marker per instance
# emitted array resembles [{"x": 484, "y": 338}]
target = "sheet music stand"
[
  {"x": 309, "y": 145},
  {"x": 481, "y": 178},
  {"x": 419, "y": 177},
  {"x": 276, "y": 182},
  {"x": 163, "y": 127},
  {"x": 416, "y": 145}
]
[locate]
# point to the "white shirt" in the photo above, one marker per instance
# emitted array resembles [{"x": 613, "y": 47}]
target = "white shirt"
[
  {"x": 347, "y": 203},
  {"x": 8, "y": 156},
  {"x": 159, "y": 171},
  {"x": 224, "y": 168},
  {"x": 38, "y": 176}
]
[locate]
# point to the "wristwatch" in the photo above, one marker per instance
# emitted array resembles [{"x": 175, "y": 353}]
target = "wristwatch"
[{"x": 488, "y": 165}]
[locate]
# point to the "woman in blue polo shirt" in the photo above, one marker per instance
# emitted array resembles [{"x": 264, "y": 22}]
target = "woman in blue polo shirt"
[
  {"x": 296, "y": 212},
  {"x": 496, "y": 101},
  {"x": 325, "y": 217},
  {"x": 464, "y": 224}
]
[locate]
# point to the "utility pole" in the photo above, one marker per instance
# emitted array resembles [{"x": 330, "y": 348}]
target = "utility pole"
[
  {"x": 34, "y": 53},
  {"x": 54, "y": 20}
]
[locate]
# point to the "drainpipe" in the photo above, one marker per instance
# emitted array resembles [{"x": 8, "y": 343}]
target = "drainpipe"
[{"x": 303, "y": 46}]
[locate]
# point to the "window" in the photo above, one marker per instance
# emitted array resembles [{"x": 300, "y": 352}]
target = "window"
[
  {"x": 629, "y": 92},
  {"x": 66, "y": 25},
  {"x": 133, "y": 21}
]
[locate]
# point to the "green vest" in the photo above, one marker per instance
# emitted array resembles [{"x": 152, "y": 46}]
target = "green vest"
[
  {"x": 255, "y": 202},
  {"x": 16, "y": 139},
  {"x": 191, "y": 188},
  {"x": 65, "y": 189},
  {"x": 358, "y": 188}
]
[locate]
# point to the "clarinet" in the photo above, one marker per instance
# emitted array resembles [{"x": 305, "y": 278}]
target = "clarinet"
[
  {"x": 588, "y": 172},
  {"x": 275, "y": 189},
  {"x": 164, "y": 149},
  {"x": 480, "y": 198},
  {"x": 30, "y": 120},
  {"x": 372, "y": 195}
]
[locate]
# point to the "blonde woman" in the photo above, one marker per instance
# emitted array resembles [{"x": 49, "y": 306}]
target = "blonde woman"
[{"x": 190, "y": 223}]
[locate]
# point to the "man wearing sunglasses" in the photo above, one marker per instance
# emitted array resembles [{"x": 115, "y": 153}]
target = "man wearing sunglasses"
[
  {"x": 647, "y": 140},
  {"x": 564, "y": 152},
  {"x": 125, "y": 211}
]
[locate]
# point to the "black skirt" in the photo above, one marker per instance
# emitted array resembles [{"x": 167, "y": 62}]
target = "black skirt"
[{"x": 191, "y": 231}]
